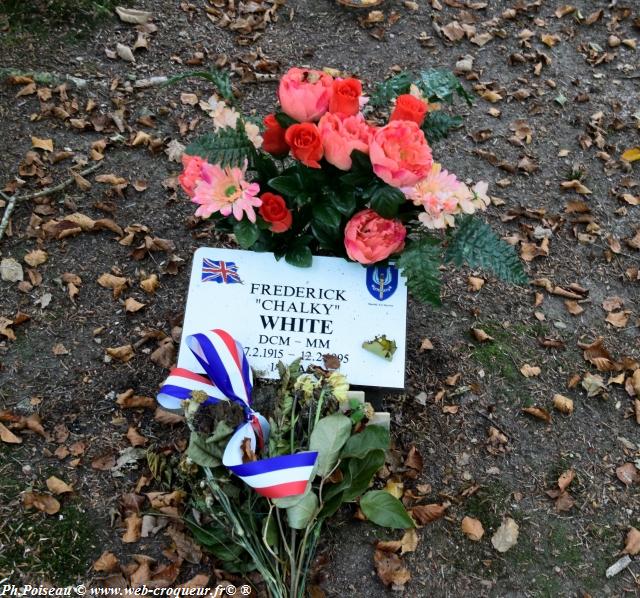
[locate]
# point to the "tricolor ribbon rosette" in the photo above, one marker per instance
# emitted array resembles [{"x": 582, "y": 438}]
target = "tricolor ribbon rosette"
[{"x": 228, "y": 378}]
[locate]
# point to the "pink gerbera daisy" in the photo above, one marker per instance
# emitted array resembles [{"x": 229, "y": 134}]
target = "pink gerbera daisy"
[{"x": 225, "y": 190}]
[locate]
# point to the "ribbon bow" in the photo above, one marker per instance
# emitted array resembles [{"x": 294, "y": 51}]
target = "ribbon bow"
[{"x": 228, "y": 378}]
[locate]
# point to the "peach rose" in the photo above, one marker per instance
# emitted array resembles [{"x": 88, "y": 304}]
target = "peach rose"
[
  {"x": 370, "y": 238},
  {"x": 305, "y": 94},
  {"x": 341, "y": 135},
  {"x": 400, "y": 154},
  {"x": 191, "y": 173}
]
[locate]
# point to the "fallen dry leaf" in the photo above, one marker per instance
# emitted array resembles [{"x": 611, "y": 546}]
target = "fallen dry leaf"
[
  {"x": 632, "y": 154},
  {"x": 133, "y": 521},
  {"x": 128, "y": 400},
  {"x": 529, "y": 371},
  {"x": 408, "y": 543},
  {"x": 132, "y": 306},
  {"x": 135, "y": 438},
  {"x": 8, "y": 436},
  {"x": 424, "y": 514},
  {"x": 123, "y": 353},
  {"x": 563, "y": 404},
  {"x": 618, "y": 319},
  {"x": 150, "y": 284},
  {"x": 539, "y": 413},
  {"x": 36, "y": 258},
  {"x": 43, "y": 502},
  {"x": 472, "y": 528},
  {"x": 628, "y": 474},
  {"x": 390, "y": 569},
  {"x": 115, "y": 283},
  {"x": 506, "y": 536},
  {"x": 565, "y": 479},
  {"x": 632, "y": 545},
  {"x": 480, "y": 335},
  {"x": 43, "y": 144},
  {"x": 474, "y": 283},
  {"x": 57, "y": 486}
]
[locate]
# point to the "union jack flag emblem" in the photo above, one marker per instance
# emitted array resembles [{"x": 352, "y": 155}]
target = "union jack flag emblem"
[{"x": 220, "y": 272}]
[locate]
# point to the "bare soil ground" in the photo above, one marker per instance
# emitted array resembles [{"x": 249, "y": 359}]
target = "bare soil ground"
[{"x": 576, "y": 93}]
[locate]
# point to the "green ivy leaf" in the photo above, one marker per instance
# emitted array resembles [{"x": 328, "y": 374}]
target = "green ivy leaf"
[
  {"x": 438, "y": 124},
  {"x": 386, "y": 200},
  {"x": 419, "y": 263},
  {"x": 227, "y": 147},
  {"x": 328, "y": 437},
  {"x": 246, "y": 233},
  {"x": 370, "y": 439},
  {"x": 385, "y": 510},
  {"x": 474, "y": 243},
  {"x": 390, "y": 89},
  {"x": 439, "y": 85}
]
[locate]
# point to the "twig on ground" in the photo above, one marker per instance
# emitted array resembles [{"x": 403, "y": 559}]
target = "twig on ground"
[
  {"x": 494, "y": 423},
  {"x": 14, "y": 199}
]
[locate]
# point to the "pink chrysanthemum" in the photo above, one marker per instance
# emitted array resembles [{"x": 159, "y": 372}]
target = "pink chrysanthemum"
[
  {"x": 442, "y": 196},
  {"x": 225, "y": 190}
]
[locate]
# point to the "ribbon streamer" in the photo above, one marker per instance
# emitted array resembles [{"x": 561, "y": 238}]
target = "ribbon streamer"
[{"x": 228, "y": 378}]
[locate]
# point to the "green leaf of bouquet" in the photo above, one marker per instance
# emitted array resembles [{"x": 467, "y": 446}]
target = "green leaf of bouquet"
[
  {"x": 386, "y": 200},
  {"x": 439, "y": 85},
  {"x": 371, "y": 438},
  {"x": 287, "y": 185},
  {"x": 300, "y": 514},
  {"x": 226, "y": 147},
  {"x": 220, "y": 79},
  {"x": 476, "y": 244},
  {"x": 284, "y": 120},
  {"x": 298, "y": 254},
  {"x": 202, "y": 453},
  {"x": 385, "y": 510},
  {"x": 390, "y": 89},
  {"x": 325, "y": 214},
  {"x": 328, "y": 437},
  {"x": 344, "y": 201},
  {"x": 246, "y": 233},
  {"x": 361, "y": 472},
  {"x": 438, "y": 124},
  {"x": 270, "y": 529},
  {"x": 419, "y": 263}
]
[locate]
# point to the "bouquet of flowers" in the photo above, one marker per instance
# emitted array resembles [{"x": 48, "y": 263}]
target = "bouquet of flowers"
[
  {"x": 269, "y": 465},
  {"x": 326, "y": 174}
]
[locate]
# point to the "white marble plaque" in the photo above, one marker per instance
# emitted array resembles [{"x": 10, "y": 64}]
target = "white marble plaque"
[{"x": 281, "y": 313}]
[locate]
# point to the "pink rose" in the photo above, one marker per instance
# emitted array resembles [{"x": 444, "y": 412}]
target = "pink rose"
[
  {"x": 400, "y": 154},
  {"x": 305, "y": 94},
  {"x": 191, "y": 174},
  {"x": 341, "y": 135},
  {"x": 370, "y": 238}
]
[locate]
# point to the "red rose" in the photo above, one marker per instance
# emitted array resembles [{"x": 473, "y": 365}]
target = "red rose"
[
  {"x": 305, "y": 143},
  {"x": 273, "y": 137},
  {"x": 409, "y": 107},
  {"x": 345, "y": 96},
  {"x": 274, "y": 211}
]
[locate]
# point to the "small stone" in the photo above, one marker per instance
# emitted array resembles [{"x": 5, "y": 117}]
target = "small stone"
[
  {"x": 614, "y": 41},
  {"x": 11, "y": 270}
]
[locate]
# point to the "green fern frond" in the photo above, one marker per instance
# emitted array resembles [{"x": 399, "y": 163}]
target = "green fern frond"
[
  {"x": 419, "y": 263},
  {"x": 474, "y": 243}
]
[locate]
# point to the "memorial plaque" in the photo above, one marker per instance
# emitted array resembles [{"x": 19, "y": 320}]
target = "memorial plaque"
[{"x": 281, "y": 313}]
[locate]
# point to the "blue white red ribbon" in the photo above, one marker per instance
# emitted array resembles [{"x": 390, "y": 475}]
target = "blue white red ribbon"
[{"x": 228, "y": 378}]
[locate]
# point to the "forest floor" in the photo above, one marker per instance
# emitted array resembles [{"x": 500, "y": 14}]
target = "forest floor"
[{"x": 556, "y": 91}]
